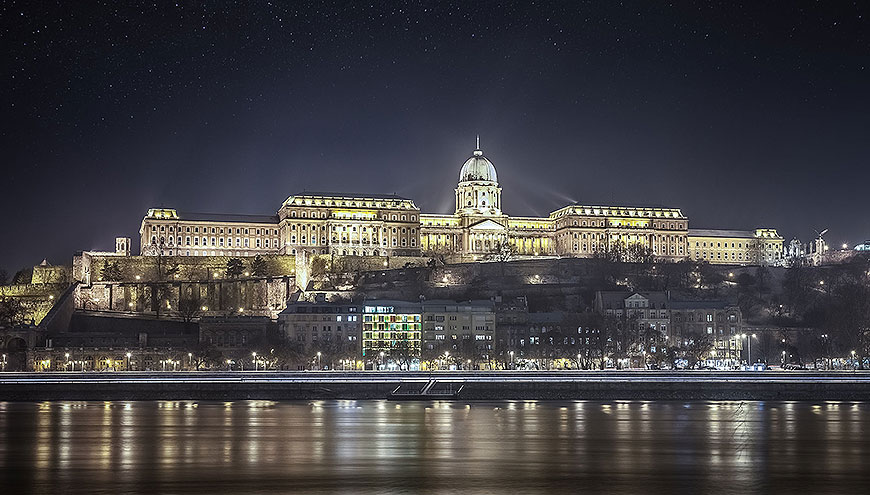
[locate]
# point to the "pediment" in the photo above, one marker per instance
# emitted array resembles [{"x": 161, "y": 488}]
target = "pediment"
[{"x": 487, "y": 225}]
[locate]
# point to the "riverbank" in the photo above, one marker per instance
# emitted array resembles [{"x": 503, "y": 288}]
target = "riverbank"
[{"x": 639, "y": 385}]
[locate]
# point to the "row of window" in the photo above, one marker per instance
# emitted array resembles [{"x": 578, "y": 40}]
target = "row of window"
[
  {"x": 216, "y": 242},
  {"x": 690, "y": 317},
  {"x": 386, "y": 216},
  {"x": 215, "y": 230},
  {"x": 353, "y": 228},
  {"x": 618, "y": 223},
  {"x": 300, "y": 337},
  {"x": 441, "y": 336},
  {"x": 344, "y": 240}
]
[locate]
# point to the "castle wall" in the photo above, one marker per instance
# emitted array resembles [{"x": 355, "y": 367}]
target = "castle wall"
[{"x": 251, "y": 296}]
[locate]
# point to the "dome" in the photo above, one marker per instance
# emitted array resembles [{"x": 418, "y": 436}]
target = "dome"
[{"x": 478, "y": 167}]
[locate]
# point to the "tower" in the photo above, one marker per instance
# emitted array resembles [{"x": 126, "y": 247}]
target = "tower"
[
  {"x": 122, "y": 246},
  {"x": 478, "y": 206},
  {"x": 477, "y": 192}
]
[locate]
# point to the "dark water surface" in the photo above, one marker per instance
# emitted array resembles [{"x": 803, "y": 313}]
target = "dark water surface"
[{"x": 434, "y": 447}]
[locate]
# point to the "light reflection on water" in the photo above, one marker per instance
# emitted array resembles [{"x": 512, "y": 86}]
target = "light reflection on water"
[{"x": 434, "y": 447}]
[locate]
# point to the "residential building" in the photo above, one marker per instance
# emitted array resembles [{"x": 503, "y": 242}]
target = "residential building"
[
  {"x": 649, "y": 310},
  {"x": 720, "y": 321},
  {"x": 323, "y": 326}
]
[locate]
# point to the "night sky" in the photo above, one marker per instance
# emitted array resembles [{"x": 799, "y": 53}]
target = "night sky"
[{"x": 742, "y": 116}]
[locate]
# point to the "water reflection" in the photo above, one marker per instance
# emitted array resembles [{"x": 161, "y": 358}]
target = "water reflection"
[{"x": 434, "y": 447}]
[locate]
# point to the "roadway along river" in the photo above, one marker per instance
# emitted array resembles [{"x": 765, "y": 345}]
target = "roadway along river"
[{"x": 434, "y": 447}]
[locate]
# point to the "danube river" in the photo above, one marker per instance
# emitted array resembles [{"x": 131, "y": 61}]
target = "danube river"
[{"x": 434, "y": 447}]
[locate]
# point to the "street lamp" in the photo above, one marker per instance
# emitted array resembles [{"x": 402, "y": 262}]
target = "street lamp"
[
  {"x": 189, "y": 360},
  {"x": 256, "y": 366},
  {"x": 382, "y": 358},
  {"x": 512, "y": 359},
  {"x": 319, "y": 367},
  {"x": 446, "y": 356},
  {"x": 128, "y": 360},
  {"x": 67, "y": 361}
]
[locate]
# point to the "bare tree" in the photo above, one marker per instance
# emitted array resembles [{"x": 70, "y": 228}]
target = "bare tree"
[
  {"x": 189, "y": 307},
  {"x": 11, "y": 312},
  {"x": 698, "y": 347},
  {"x": 207, "y": 356},
  {"x": 755, "y": 253},
  {"x": 638, "y": 252},
  {"x": 850, "y": 316},
  {"x": 502, "y": 251},
  {"x": 439, "y": 255}
]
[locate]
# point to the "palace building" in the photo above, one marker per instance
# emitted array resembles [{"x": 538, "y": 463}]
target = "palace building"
[
  {"x": 389, "y": 225},
  {"x": 736, "y": 247}
]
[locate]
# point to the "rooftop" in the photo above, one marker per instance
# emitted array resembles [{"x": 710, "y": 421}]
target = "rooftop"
[
  {"x": 745, "y": 234},
  {"x": 700, "y": 304},
  {"x": 616, "y": 299},
  {"x": 347, "y": 195},
  {"x": 226, "y": 217},
  {"x": 623, "y": 210},
  {"x": 173, "y": 214}
]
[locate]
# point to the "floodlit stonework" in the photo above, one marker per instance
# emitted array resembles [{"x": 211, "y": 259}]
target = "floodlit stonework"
[
  {"x": 388, "y": 225},
  {"x": 736, "y": 247}
]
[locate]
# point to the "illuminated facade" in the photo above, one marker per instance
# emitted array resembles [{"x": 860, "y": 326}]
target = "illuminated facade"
[
  {"x": 169, "y": 232},
  {"x": 736, "y": 247},
  {"x": 317, "y": 223},
  {"x": 390, "y": 225},
  {"x": 391, "y": 328},
  {"x": 398, "y": 329},
  {"x": 478, "y": 226}
]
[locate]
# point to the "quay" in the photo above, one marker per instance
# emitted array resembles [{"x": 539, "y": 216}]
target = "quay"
[{"x": 474, "y": 385}]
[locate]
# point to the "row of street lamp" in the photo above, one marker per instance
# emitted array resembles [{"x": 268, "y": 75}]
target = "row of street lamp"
[{"x": 71, "y": 364}]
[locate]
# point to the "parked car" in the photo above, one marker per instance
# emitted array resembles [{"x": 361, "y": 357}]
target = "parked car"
[{"x": 793, "y": 366}]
